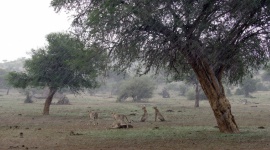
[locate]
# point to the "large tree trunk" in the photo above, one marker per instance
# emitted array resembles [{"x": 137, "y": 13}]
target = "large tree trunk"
[
  {"x": 213, "y": 88},
  {"x": 48, "y": 101}
]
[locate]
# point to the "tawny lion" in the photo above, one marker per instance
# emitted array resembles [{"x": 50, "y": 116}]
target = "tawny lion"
[
  {"x": 158, "y": 115},
  {"x": 120, "y": 118},
  {"x": 145, "y": 114},
  {"x": 93, "y": 115}
]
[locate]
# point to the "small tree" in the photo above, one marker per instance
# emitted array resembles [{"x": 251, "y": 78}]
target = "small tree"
[
  {"x": 28, "y": 98},
  {"x": 193, "y": 94},
  {"x": 183, "y": 89},
  {"x": 248, "y": 86},
  {"x": 191, "y": 79},
  {"x": 64, "y": 63},
  {"x": 138, "y": 88},
  {"x": 165, "y": 93}
]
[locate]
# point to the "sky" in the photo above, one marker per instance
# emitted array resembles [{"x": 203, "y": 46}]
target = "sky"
[{"x": 24, "y": 25}]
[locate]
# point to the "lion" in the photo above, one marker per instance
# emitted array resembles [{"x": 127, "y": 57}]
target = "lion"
[
  {"x": 158, "y": 115},
  {"x": 120, "y": 119},
  {"x": 145, "y": 114},
  {"x": 93, "y": 115}
]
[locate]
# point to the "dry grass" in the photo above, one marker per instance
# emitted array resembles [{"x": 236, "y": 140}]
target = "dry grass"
[{"x": 68, "y": 127}]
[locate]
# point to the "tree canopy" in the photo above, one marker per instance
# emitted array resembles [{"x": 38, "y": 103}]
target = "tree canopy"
[
  {"x": 216, "y": 38},
  {"x": 231, "y": 35},
  {"x": 61, "y": 64},
  {"x": 64, "y": 63}
]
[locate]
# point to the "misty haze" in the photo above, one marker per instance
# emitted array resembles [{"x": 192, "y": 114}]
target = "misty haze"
[{"x": 135, "y": 75}]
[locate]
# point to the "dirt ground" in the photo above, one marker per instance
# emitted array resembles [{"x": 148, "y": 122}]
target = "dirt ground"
[{"x": 187, "y": 128}]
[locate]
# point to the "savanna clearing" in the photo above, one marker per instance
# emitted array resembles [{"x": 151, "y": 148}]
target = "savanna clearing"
[{"x": 22, "y": 126}]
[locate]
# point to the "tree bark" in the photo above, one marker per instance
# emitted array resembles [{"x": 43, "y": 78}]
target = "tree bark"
[
  {"x": 48, "y": 101},
  {"x": 213, "y": 88}
]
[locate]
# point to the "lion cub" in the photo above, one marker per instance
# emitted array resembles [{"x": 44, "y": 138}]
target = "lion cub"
[
  {"x": 119, "y": 118},
  {"x": 145, "y": 114},
  {"x": 158, "y": 115},
  {"x": 93, "y": 115}
]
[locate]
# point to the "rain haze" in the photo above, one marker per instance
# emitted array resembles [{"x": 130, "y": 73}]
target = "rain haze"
[
  {"x": 24, "y": 25},
  {"x": 135, "y": 74}
]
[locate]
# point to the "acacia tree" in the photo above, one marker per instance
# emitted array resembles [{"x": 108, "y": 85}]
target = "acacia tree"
[
  {"x": 248, "y": 86},
  {"x": 65, "y": 63},
  {"x": 215, "y": 38},
  {"x": 189, "y": 78}
]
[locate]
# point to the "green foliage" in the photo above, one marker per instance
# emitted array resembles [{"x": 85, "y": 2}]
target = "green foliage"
[
  {"x": 249, "y": 85},
  {"x": 191, "y": 94},
  {"x": 28, "y": 98},
  {"x": 64, "y": 63},
  {"x": 172, "y": 86},
  {"x": 165, "y": 93},
  {"x": 171, "y": 34},
  {"x": 138, "y": 89},
  {"x": 19, "y": 79},
  {"x": 183, "y": 88},
  {"x": 239, "y": 91},
  {"x": 63, "y": 101}
]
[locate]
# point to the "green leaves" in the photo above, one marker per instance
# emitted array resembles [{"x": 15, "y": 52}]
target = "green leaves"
[
  {"x": 232, "y": 35},
  {"x": 139, "y": 88},
  {"x": 18, "y": 80},
  {"x": 65, "y": 63}
]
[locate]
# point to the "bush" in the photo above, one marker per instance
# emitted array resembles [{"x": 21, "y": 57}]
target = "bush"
[
  {"x": 138, "y": 89},
  {"x": 28, "y": 98},
  {"x": 249, "y": 85},
  {"x": 239, "y": 91},
  {"x": 174, "y": 86},
  {"x": 191, "y": 94},
  {"x": 165, "y": 93},
  {"x": 63, "y": 101},
  {"x": 183, "y": 88}
]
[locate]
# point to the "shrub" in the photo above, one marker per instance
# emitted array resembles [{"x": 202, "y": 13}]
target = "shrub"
[
  {"x": 239, "y": 91},
  {"x": 165, "y": 93},
  {"x": 63, "y": 101},
  {"x": 183, "y": 88},
  {"x": 28, "y": 98},
  {"x": 137, "y": 88},
  {"x": 174, "y": 86},
  {"x": 191, "y": 94}
]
